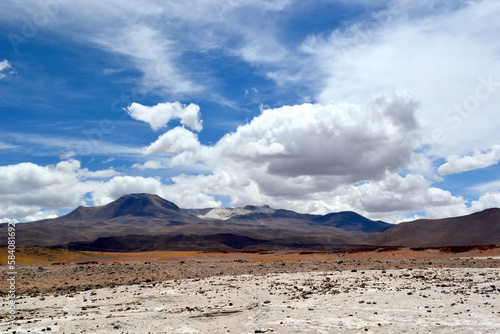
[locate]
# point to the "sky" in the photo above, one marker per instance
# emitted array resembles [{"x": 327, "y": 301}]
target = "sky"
[{"x": 386, "y": 108}]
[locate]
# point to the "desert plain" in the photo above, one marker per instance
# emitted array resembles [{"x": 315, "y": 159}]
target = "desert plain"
[{"x": 391, "y": 290}]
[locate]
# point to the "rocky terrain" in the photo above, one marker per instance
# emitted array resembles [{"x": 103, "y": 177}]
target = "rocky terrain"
[
  {"x": 375, "y": 291},
  {"x": 438, "y": 300}
]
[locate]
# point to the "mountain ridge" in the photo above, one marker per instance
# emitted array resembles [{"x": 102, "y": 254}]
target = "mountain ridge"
[
  {"x": 159, "y": 223},
  {"x": 146, "y": 214},
  {"x": 477, "y": 228}
]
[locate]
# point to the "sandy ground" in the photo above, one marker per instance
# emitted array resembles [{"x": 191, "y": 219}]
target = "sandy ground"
[
  {"x": 437, "y": 300},
  {"x": 400, "y": 291}
]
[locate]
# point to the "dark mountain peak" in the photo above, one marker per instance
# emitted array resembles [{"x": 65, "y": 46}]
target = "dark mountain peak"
[
  {"x": 80, "y": 212},
  {"x": 258, "y": 208},
  {"x": 131, "y": 204},
  {"x": 140, "y": 205},
  {"x": 344, "y": 214},
  {"x": 144, "y": 200},
  {"x": 141, "y": 195},
  {"x": 352, "y": 221}
]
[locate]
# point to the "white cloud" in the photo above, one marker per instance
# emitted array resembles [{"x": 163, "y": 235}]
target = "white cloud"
[
  {"x": 323, "y": 158},
  {"x": 30, "y": 192},
  {"x": 159, "y": 115},
  {"x": 8, "y": 220},
  {"x": 153, "y": 53},
  {"x": 70, "y": 165},
  {"x": 309, "y": 148},
  {"x": 422, "y": 164},
  {"x": 112, "y": 189},
  {"x": 329, "y": 155},
  {"x": 486, "y": 201},
  {"x": 26, "y": 188},
  {"x": 346, "y": 142},
  {"x": 455, "y": 164},
  {"x": 150, "y": 164},
  {"x": 445, "y": 55},
  {"x": 42, "y": 214},
  {"x": 174, "y": 141},
  {"x": 153, "y": 36},
  {"x": 400, "y": 194},
  {"x": 389, "y": 196},
  {"x": 319, "y": 158},
  {"x": 94, "y": 144},
  {"x": 5, "y": 68},
  {"x": 262, "y": 50},
  {"x": 100, "y": 174}
]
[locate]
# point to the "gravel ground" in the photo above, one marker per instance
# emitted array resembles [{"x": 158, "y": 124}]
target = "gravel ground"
[{"x": 60, "y": 279}]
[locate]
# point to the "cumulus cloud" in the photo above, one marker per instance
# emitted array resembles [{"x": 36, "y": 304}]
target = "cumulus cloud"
[
  {"x": 389, "y": 196},
  {"x": 486, "y": 201},
  {"x": 342, "y": 141},
  {"x": 443, "y": 54},
  {"x": 333, "y": 154},
  {"x": 316, "y": 158},
  {"x": 8, "y": 220},
  {"x": 30, "y": 192},
  {"x": 70, "y": 165},
  {"x": 322, "y": 158},
  {"x": 396, "y": 193},
  {"x": 5, "y": 68},
  {"x": 177, "y": 140},
  {"x": 26, "y": 188},
  {"x": 42, "y": 214},
  {"x": 159, "y": 115},
  {"x": 455, "y": 164}
]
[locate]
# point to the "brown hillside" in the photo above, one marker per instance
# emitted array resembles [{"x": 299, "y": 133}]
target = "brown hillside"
[{"x": 476, "y": 229}]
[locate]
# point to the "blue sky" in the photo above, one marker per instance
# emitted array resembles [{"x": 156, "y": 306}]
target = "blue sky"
[{"x": 385, "y": 108}]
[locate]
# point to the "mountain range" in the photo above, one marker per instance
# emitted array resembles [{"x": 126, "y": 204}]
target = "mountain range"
[{"x": 144, "y": 222}]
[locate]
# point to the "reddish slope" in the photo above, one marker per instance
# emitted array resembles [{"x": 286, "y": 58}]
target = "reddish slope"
[{"x": 479, "y": 228}]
